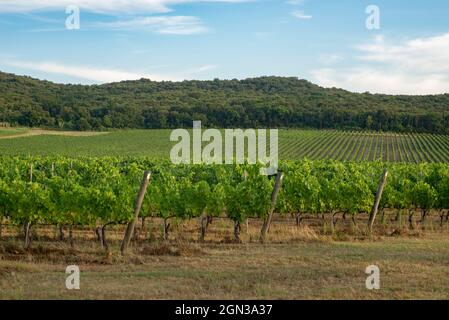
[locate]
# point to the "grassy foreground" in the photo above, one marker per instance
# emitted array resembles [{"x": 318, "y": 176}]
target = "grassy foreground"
[{"x": 411, "y": 267}]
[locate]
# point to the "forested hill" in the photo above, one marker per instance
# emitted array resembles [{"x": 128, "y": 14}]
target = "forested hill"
[{"x": 259, "y": 102}]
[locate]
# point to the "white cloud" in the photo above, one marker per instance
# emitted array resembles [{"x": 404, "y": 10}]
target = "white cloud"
[
  {"x": 99, "y": 75},
  {"x": 370, "y": 79},
  {"x": 103, "y": 6},
  {"x": 417, "y": 66},
  {"x": 295, "y": 2},
  {"x": 104, "y": 75},
  {"x": 203, "y": 68},
  {"x": 178, "y": 25},
  {"x": 425, "y": 54},
  {"x": 300, "y": 14}
]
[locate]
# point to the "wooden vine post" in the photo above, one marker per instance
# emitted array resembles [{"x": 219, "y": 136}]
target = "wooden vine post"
[
  {"x": 27, "y": 224},
  {"x": 274, "y": 195},
  {"x": 139, "y": 200},
  {"x": 380, "y": 189},
  {"x": 26, "y": 231}
]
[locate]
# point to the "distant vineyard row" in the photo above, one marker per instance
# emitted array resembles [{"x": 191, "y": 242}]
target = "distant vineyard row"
[
  {"x": 98, "y": 192},
  {"x": 293, "y": 145},
  {"x": 364, "y": 146}
]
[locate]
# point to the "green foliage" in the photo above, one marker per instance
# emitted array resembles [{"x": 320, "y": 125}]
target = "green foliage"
[
  {"x": 293, "y": 145},
  {"x": 423, "y": 196},
  {"x": 258, "y": 102},
  {"x": 88, "y": 191}
]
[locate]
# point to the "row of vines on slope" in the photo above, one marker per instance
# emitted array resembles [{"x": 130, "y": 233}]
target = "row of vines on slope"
[{"x": 98, "y": 192}]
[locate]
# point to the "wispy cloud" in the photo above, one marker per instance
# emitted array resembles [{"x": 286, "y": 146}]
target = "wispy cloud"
[
  {"x": 95, "y": 74},
  {"x": 301, "y": 15},
  {"x": 329, "y": 59},
  {"x": 103, "y": 75},
  {"x": 203, "y": 68},
  {"x": 135, "y": 9},
  {"x": 295, "y": 2},
  {"x": 422, "y": 54},
  {"x": 417, "y": 66},
  {"x": 375, "y": 80},
  {"x": 101, "y": 6},
  {"x": 177, "y": 25}
]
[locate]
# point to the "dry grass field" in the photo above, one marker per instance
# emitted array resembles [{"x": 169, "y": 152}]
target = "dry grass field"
[{"x": 306, "y": 262}]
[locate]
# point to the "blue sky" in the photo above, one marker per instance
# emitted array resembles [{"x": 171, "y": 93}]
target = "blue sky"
[{"x": 324, "y": 41}]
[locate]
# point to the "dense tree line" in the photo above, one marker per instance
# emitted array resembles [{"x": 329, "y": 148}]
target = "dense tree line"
[{"x": 258, "y": 102}]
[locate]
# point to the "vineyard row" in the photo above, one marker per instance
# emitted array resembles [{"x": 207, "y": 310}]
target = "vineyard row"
[{"x": 99, "y": 192}]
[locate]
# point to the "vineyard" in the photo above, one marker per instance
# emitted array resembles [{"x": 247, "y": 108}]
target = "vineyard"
[
  {"x": 101, "y": 192},
  {"x": 293, "y": 145},
  {"x": 364, "y": 146}
]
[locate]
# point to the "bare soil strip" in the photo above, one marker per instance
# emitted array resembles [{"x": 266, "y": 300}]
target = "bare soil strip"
[{"x": 41, "y": 132}]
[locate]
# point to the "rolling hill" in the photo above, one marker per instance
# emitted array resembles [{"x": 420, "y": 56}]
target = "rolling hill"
[{"x": 257, "y": 102}]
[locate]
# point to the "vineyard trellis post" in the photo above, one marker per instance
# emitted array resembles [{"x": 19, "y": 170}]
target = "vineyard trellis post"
[
  {"x": 26, "y": 231},
  {"x": 138, "y": 206},
  {"x": 27, "y": 224},
  {"x": 274, "y": 195},
  {"x": 375, "y": 209}
]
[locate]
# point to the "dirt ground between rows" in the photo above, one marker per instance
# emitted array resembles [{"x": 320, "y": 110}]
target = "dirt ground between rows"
[{"x": 41, "y": 132}]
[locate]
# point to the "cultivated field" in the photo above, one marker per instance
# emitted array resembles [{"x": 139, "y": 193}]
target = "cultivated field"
[
  {"x": 293, "y": 144},
  {"x": 359, "y": 146},
  {"x": 58, "y": 211}
]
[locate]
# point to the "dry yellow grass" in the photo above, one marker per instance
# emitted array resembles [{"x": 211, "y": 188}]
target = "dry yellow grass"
[{"x": 297, "y": 263}]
